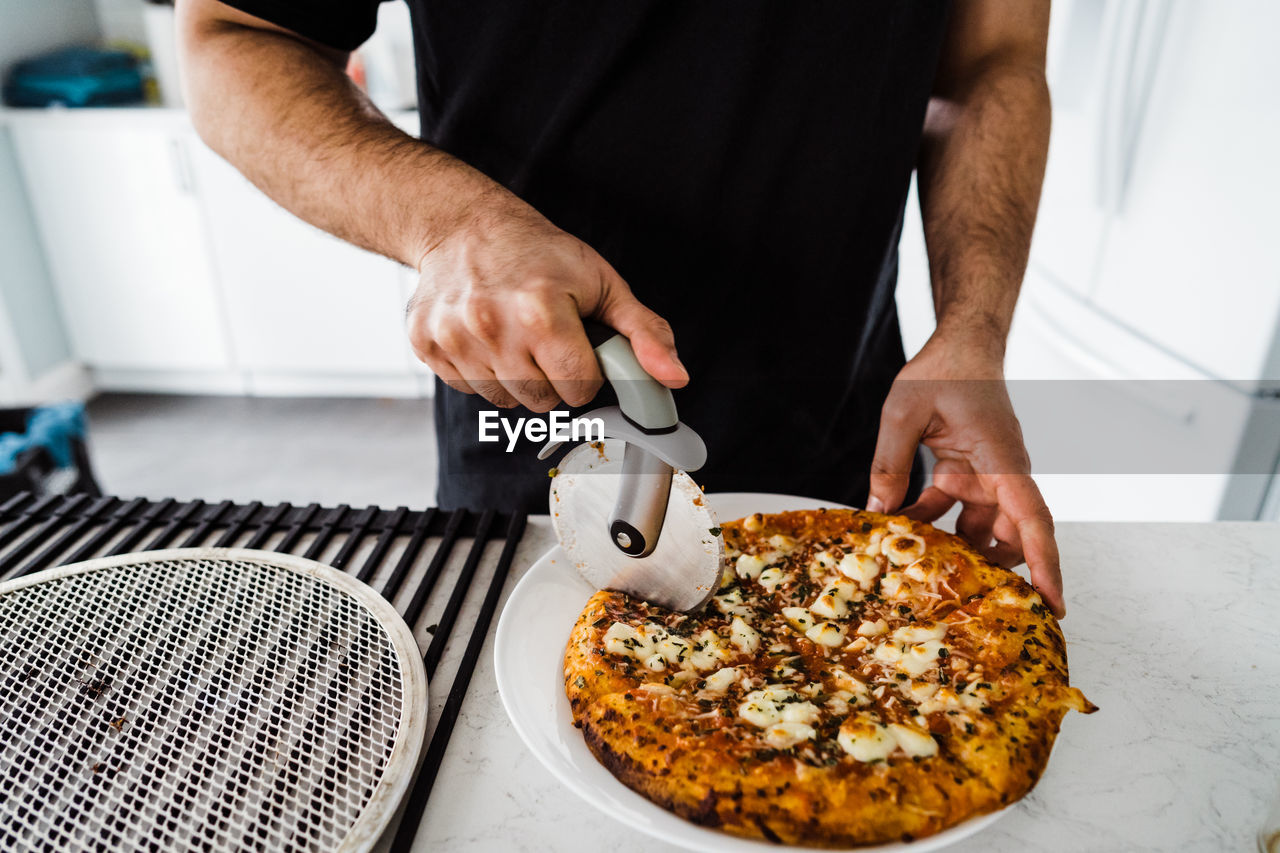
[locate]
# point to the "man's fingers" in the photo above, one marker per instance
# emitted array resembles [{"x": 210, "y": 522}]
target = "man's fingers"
[
  {"x": 930, "y": 506},
  {"x": 1041, "y": 551},
  {"x": 650, "y": 335},
  {"x": 895, "y": 452},
  {"x": 975, "y": 522},
  {"x": 1006, "y": 555},
  {"x": 449, "y": 375},
  {"x": 1021, "y": 501},
  {"x": 528, "y": 385},
  {"x": 482, "y": 380},
  {"x": 1007, "y": 552},
  {"x": 570, "y": 364}
]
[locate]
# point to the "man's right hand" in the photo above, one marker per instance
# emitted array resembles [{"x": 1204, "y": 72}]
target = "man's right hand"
[{"x": 499, "y": 306}]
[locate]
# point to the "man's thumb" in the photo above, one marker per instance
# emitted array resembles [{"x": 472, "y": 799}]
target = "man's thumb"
[{"x": 651, "y": 338}]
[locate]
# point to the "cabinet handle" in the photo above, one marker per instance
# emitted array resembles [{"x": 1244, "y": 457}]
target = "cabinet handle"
[
  {"x": 1133, "y": 58},
  {"x": 181, "y": 162},
  {"x": 1138, "y": 86},
  {"x": 1125, "y": 22}
]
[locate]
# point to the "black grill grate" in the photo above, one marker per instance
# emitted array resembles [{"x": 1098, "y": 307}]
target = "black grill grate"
[{"x": 403, "y": 554}]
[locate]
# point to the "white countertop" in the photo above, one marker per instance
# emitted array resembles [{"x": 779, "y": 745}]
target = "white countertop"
[{"x": 1173, "y": 630}]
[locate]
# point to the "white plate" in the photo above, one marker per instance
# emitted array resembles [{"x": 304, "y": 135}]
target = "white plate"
[{"x": 529, "y": 665}]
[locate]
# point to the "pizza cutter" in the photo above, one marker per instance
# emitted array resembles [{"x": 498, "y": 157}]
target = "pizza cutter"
[{"x": 624, "y": 509}]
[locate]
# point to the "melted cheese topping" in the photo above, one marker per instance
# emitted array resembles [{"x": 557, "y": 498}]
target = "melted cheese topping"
[
  {"x": 829, "y": 606},
  {"x": 893, "y": 585},
  {"x": 640, "y": 642},
  {"x": 782, "y": 543},
  {"x": 720, "y": 680},
  {"x": 887, "y": 653},
  {"x": 872, "y": 548},
  {"x": 873, "y": 629},
  {"x": 744, "y": 636},
  {"x": 708, "y": 651},
  {"x": 914, "y": 741},
  {"x": 799, "y": 618},
  {"x": 674, "y": 650},
  {"x": 920, "y": 570},
  {"x": 902, "y": 548},
  {"x": 947, "y": 699},
  {"x": 657, "y": 688},
  {"x": 732, "y": 603},
  {"x": 862, "y": 568},
  {"x": 904, "y": 653},
  {"x": 848, "y": 687},
  {"x": 786, "y": 735},
  {"x": 1010, "y": 597},
  {"x": 866, "y": 739},
  {"x": 920, "y": 632},
  {"x": 771, "y": 578},
  {"x": 838, "y": 702},
  {"x": 825, "y": 560},
  {"x": 918, "y": 691},
  {"x": 774, "y": 705},
  {"x": 827, "y": 634},
  {"x": 749, "y": 566},
  {"x": 920, "y": 658}
]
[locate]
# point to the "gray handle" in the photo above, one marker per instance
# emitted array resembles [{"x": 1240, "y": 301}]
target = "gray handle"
[{"x": 644, "y": 400}]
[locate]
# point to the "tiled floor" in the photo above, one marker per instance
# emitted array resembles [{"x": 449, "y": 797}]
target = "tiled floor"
[{"x": 331, "y": 451}]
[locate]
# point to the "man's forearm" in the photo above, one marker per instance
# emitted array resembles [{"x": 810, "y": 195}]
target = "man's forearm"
[
  {"x": 980, "y": 174},
  {"x": 286, "y": 115}
]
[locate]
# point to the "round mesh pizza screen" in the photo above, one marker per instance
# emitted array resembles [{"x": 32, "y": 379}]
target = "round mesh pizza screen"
[{"x": 192, "y": 704}]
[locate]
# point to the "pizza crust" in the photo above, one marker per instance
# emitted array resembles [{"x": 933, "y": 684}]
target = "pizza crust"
[{"x": 794, "y": 739}]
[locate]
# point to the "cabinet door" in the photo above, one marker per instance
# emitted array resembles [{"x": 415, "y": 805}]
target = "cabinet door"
[
  {"x": 1192, "y": 261},
  {"x": 122, "y": 230},
  {"x": 1117, "y": 429},
  {"x": 299, "y": 301},
  {"x": 1071, "y": 221}
]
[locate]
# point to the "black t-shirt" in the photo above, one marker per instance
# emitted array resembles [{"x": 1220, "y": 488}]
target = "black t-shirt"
[{"x": 743, "y": 165}]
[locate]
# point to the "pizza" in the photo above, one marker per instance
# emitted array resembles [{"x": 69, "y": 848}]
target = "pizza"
[{"x": 858, "y": 678}]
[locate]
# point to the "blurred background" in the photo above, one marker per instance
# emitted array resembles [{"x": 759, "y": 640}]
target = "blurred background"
[{"x": 141, "y": 274}]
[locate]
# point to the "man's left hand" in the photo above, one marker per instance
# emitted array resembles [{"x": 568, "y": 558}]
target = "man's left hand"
[{"x": 952, "y": 399}]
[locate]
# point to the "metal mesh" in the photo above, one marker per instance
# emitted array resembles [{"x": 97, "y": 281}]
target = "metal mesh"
[{"x": 191, "y": 705}]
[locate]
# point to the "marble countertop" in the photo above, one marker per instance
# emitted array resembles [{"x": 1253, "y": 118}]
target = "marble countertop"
[{"x": 1172, "y": 630}]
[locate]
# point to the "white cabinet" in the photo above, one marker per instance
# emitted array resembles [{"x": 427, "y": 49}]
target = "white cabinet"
[
  {"x": 123, "y": 234},
  {"x": 175, "y": 274},
  {"x": 1191, "y": 260},
  {"x": 1120, "y": 430},
  {"x": 1085, "y": 47},
  {"x": 1159, "y": 198},
  {"x": 302, "y": 306}
]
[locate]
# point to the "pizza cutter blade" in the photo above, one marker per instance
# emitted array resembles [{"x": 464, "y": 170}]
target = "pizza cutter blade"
[{"x": 683, "y": 569}]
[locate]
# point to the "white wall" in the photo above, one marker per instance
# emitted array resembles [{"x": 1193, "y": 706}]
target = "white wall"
[
  {"x": 121, "y": 20},
  {"x": 29, "y": 316},
  {"x": 33, "y": 26}
]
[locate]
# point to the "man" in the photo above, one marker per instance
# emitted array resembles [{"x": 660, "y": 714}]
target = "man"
[{"x": 728, "y": 176}]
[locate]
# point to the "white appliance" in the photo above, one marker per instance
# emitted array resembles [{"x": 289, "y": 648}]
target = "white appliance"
[{"x": 1145, "y": 355}]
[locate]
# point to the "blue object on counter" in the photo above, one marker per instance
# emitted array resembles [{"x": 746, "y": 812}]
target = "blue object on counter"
[
  {"x": 52, "y": 427},
  {"x": 12, "y": 445},
  {"x": 75, "y": 77}
]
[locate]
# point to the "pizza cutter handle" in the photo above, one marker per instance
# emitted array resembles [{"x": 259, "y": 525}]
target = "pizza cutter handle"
[
  {"x": 645, "y": 401},
  {"x": 641, "y": 507}
]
